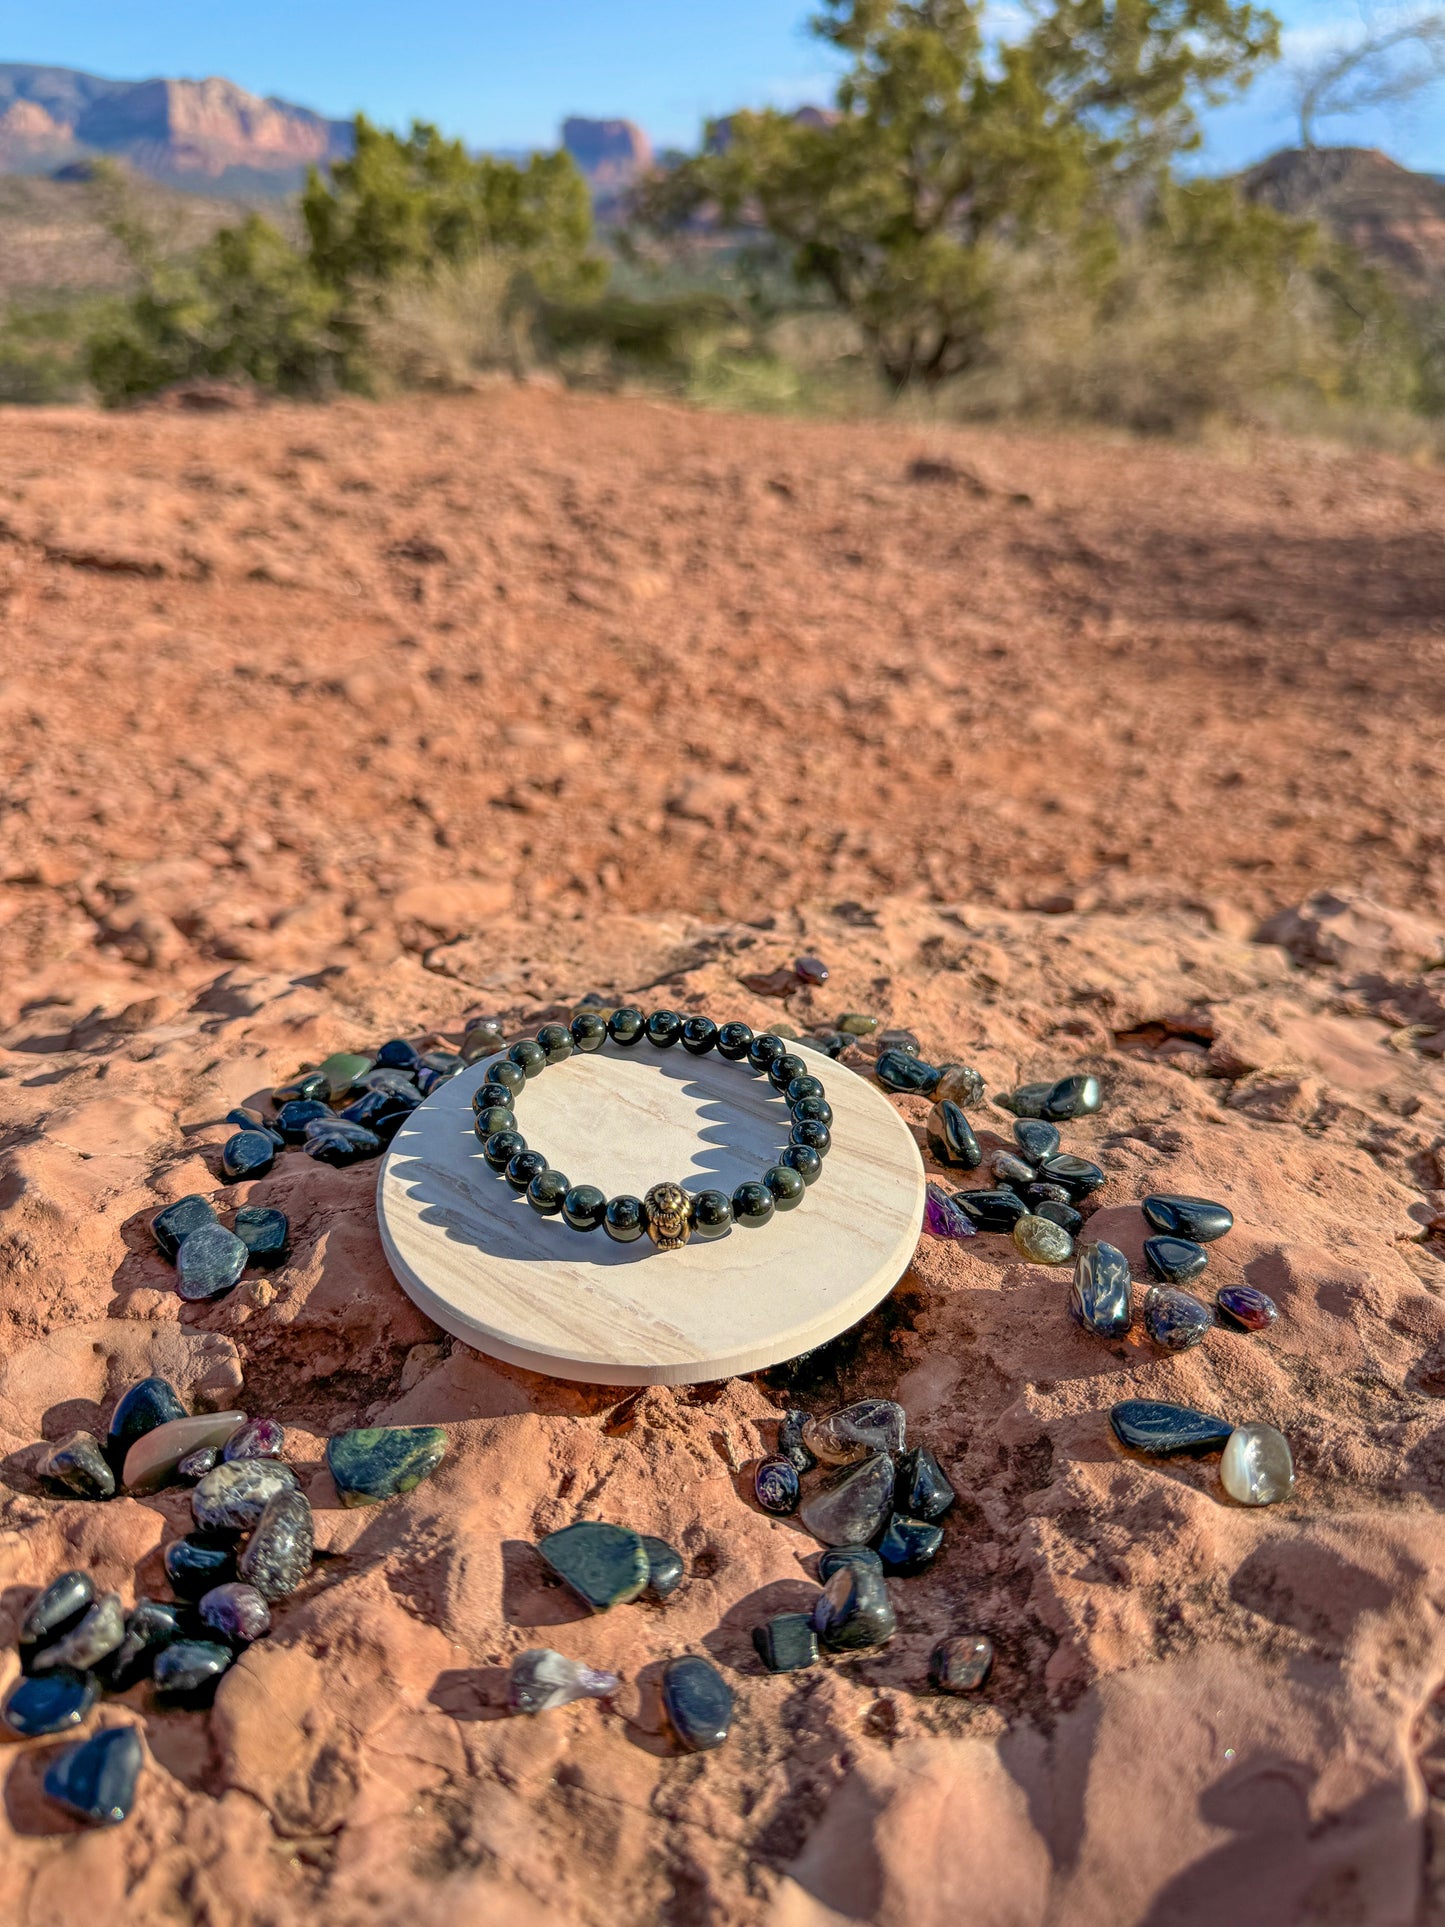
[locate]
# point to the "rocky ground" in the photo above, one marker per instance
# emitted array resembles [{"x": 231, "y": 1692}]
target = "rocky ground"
[{"x": 320, "y": 726}]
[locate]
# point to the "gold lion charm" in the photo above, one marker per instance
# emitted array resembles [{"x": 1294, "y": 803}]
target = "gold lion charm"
[{"x": 669, "y": 1216}]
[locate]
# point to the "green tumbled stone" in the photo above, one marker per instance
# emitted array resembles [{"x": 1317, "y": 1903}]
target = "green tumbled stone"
[
  {"x": 379, "y": 1461},
  {"x": 856, "y": 1024},
  {"x": 343, "y": 1069},
  {"x": 605, "y": 1565}
]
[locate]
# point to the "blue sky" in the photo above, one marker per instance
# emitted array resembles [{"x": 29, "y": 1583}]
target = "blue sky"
[{"x": 503, "y": 75}]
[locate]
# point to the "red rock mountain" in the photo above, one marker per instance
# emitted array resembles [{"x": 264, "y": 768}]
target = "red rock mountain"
[{"x": 1395, "y": 218}]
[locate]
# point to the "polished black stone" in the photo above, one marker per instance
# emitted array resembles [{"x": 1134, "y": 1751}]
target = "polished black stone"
[
  {"x": 277, "y": 1556},
  {"x": 245, "y": 1119},
  {"x": 909, "y": 1545},
  {"x": 249, "y": 1154},
  {"x": 783, "y": 1070},
  {"x": 814, "y": 1137},
  {"x": 698, "y": 1702},
  {"x": 1036, "y": 1139},
  {"x": 786, "y": 1185},
  {"x": 209, "y": 1262},
  {"x": 507, "y": 1074},
  {"x": 178, "y": 1221},
  {"x": 836, "y": 1557},
  {"x": 992, "y": 1210},
  {"x": 236, "y": 1612},
  {"x": 922, "y": 1491},
  {"x": 525, "y": 1166},
  {"x": 1180, "y": 1217},
  {"x": 853, "y": 1611},
  {"x": 481, "y": 1040},
  {"x": 149, "y": 1625},
  {"x": 625, "y": 1219},
  {"x": 337, "y": 1142},
  {"x": 146, "y": 1405},
  {"x": 195, "y": 1465},
  {"x": 1175, "y": 1319},
  {"x": 898, "y": 1071},
  {"x": 547, "y": 1191},
  {"x": 556, "y": 1041},
  {"x": 501, "y": 1147},
  {"x": 54, "y": 1611},
  {"x": 308, "y": 1085},
  {"x": 833, "y": 1042},
  {"x": 292, "y": 1118},
  {"x": 604, "y": 1565},
  {"x": 1057, "y": 1213},
  {"x": 664, "y": 1028},
  {"x": 804, "y": 1085},
  {"x": 753, "y": 1205},
  {"x": 98, "y": 1631},
  {"x": 492, "y": 1096},
  {"x": 1174, "y": 1261},
  {"x": 775, "y": 1485},
  {"x": 1075, "y": 1096},
  {"x": 627, "y": 1026},
  {"x": 376, "y": 1462},
  {"x": 529, "y": 1057},
  {"x": 1078, "y": 1176},
  {"x": 786, "y": 1643},
  {"x": 496, "y": 1117},
  {"x": 812, "y": 1110},
  {"x": 383, "y": 1112},
  {"x": 1246, "y": 1308},
  {"x": 699, "y": 1036},
  {"x": 187, "y": 1671},
  {"x": 790, "y": 1440},
  {"x": 584, "y": 1207},
  {"x": 50, "y": 1702},
  {"x": 265, "y": 1232},
  {"x": 1010, "y": 1170},
  {"x": 96, "y": 1780},
  {"x": 398, "y": 1083},
  {"x": 712, "y": 1215},
  {"x": 1044, "y": 1193},
  {"x": 803, "y": 1159},
  {"x": 1028, "y": 1100},
  {"x": 764, "y": 1050},
  {"x": 852, "y": 1506},
  {"x": 1167, "y": 1431},
  {"x": 951, "y": 1138},
  {"x": 589, "y": 1031},
  {"x": 79, "y": 1466},
  {"x": 665, "y": 1569},
  {"x": 961, "y": 1665},
  {"x": 446, "y": 1063},
  {"x": 1101, "y": 1297},
  {"x": 397, "y": 1054},
  {"x": 899, "y": 1039},
  {"x": 199, "y": 1561},
  {"x": 733, "y": 1041}
]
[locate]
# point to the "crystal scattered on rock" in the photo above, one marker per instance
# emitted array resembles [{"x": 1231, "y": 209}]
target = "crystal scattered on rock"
[
  {"x": 960, "y": 1085},
  {"x": 277, "y": 1556},
  {"x": 258, "y": 1438},
  {"x": 961, "y": 1665},
  {"x": 775, "y": 1485},
  {"x": 540, "y": 1680},
  {"x": 236, "y": 1611},
  {"x": 343, "y": 1069},
  {"x": 96, "y": 1780},
  {"x": 922, "y": 1490},
  {"x": 1246, "y": 1308},
  {"x": 1076, "y": 1096},
  {"x": 851, "y": 1507},
  {"x": 998, "y": 1210},
  {"x": 909, "y": 1545},
  {"x": 1036, "y": 1139},
  {"x": 209, "y": 1262},
  {"x": 48, "y": 1702},
  {"x": 99, "y": 1632},
  {"x": 855, "y": 1431},
  {"x": 146, "y": 1405},
  {"x": 605, "y": 1565},
  {"x": 1010, "y": 1170},
  {"x": 189, "y": 1670},
  {"x": 786, "y": 1643},
  {"x": 195, "y": 1465},
  {"x": 80, "y": 1466},
  {"x": 149, "y": 1625},
  {"x": 951, "y": 1137},
  {"x": 1058, "y": 1213},
  {"x": 1028, "y": 1100},
  {"x": 235, "y": 1495},
  {"x": 1167, "y": 1431},
  {"x": 1175, "y": 1319},
  {"x": 63, "y": 1604},
  {"x": 698, "y": 1702},
  {"x": 897, "y": 1071},
  {"x": 665, "y": 1568},
  {"x": 1078, "y": 1176},
  {"x": 306, "y": 1088},
  {"x": 835, "y": 1558},
  {"x": 1257, "y": 1467},
  {"x": 1180, "y": 1217},
  {"x": 943, "y": 1217},
  {"x": 158, "y": 1453},
  {"x": 1101, "y": 1299},
  {"x": 334, "y": 1141},
  {"x": 790, "y": 1440},
  {"x": 853, "y": 1610},
  {"x": 249, "y": 1154},
  {"x": 265, "y": 1233},
  {"x": 378, "y": 1462},
  {"x": 200, "y": 1561},
  {"x": 1042, "y": 1241},
  {"x": 1174, "y": 1261},
  {"x": 178, "y": 1221},
  {"x": 293, "y": 1118}
]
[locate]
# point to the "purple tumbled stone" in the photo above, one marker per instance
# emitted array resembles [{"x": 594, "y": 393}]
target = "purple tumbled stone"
[
  {"x": 258, "y": 1438},
  {"x": 195, "y": 1465},
  {"x": 1246, "y": 1308},
  {"x": 236, "y": 1611},
  {"x": 942, "y": 1218}
]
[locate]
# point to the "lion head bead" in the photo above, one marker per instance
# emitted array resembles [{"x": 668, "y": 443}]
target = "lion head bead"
[{"x": 669, "y": 1216}]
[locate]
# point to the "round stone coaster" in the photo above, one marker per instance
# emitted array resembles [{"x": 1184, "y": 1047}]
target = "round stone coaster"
[{"x": 477, "y": 1258}]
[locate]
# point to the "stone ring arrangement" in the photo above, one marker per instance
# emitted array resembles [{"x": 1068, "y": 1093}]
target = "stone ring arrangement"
[{"x": 667, "y": 1214}]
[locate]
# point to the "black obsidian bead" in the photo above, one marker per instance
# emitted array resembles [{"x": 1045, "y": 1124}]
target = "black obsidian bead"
[
  {"x": 495, "y": 1118},
  {"x": 734, "y": 1041},
  {"x": 817, "y": 1137},
  {"x": 491, "y": 1096},
  {"x": 523, "y": 1167},
  {"x": 397, "y": 1054},
  {"x": 589, "y": 1031},
  {"x": 805, "y": 1086},
  {"x": 764, "y": 1050},
  {"x": 308, "y": 1085},
  {"x": 699, "y": 1036},
  {"x": 992, "y": 1210},
  {"x": 249, "y": 1154},
  {"x": 625, "y": 1219},
  {"x": 547, "y": 1191},
  {"x": 712, "y": 1214},
  {"x": 502, "y": 1147},
  {"x": 786, "y": 1185},
  {"x": 803, "y": 1159},
  {"x": 812, "y": 1110},
  {"x": 664, "y": 1028},
  {"x": 897, "y": 1071},
  {"x": 1174, "y": 1261},
  {"x": 584, "y": 1207},
  {"x": 627, "y": 1026},
  {"x": 753, "y": 1205},
  {"x": 292, "y": 1118},
  {"x": 1036, "y": 1139},
  {"x": 556, "y": 1041},
  {"x": 506, "y": 1073},
  {"x": 784, "y": 1069},
  {"x": 529, "y": 1057}
]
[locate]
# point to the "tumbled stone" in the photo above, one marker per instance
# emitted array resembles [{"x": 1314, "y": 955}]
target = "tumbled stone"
[
  {"x": 149, "y": 1625},
  {"x": 909, "y": 1545},
  {"x": 177, "y": 1222},
  {"x": 790, "y": 1440},
  {"x": 334, "y": 1141},
  {"x": 146, "y": 1405},
  {"x": 1246, "y": 1308},
  {"x": 786, "y": 1643},
  {"x": 209, "y": 1262},
  {"x": 1076, "y": 1096},
  {"x": 236, "y": 1611},
  {"x": 99, "y": 1632},
  {"x": 378, "y": 1462},
  {"x": 1101, "y": 1298},
  {"x": 195, "y": 1465},
  {"x": 897, "y": 1071},
  {"x": 698, "y": 1702},
  {"x": 665, "y": 1568},
  {"x": 277, "y": 1556},
  {"x": 258, "y": 1438},
  {"x": 855, "y": 1431},
  {"x": 943, "y": 1216},
  {"x": 96, "y": 1780},
  {"x": 245, "y": 1119},
  {"x": 1180, "y": 1217},
  {"x": 1036, "y": 1194},
  {"x": 482, "y": 1040},
  {"x": 1057, "y": 1213},
  {"x": 850, "y": 1508},
  {"x": 1257, "y": 1467},
  {"x": 775, "y": 1485},
  {"x": 235, "y": 1495},
  {"x": 199, "y": 1562},
  {"x": 80, "y": 1466},
  {"x": 951, "y": 1137},
  {"x": 1175, "y": 1319},
  {"x": 293, "y": 1118},
  {"x": 961, "y": 1665},
  {"x": 1036, "y": 1139},
  {"x": 958, "y": 1084},
  {"x": 1042, "y": 1242},
  {"x": 856, "y": 1023},
  {"x": 1174, "y": 1261},
  {"x": 307, "y": 1087},
  {"x": 604, "y": 1565},
  {"x": 900, "y": 1039},
  {"x": 188, "y": 1671},
  {"x": 998, "y": 1210},
  {"x": 1078, "y": 1176},
  {"x": 397, "y": 1054},
  {"x": 48, "y": 1702},
  {"x": 381, "y": 1112},
  {"x": 539, "y": 1680},
  {"x": 343, "y": 1068},
  {"x": 811, "y": 970},
  {"x": 265, "y": 1233},
  {"x": 834, "y": 1558},
  {"x": 1167, "y": 1431},
  {"x": 1011, "y": 1171},
  {"x": 853, "y": 1610},
  {"x": 922, "y": 1491},
  {"x": 391, "y": 1082},
  {"x": 249, "y": 1154},
  {"x": 1028, "y": 1100},
  {"x": 62, "y": 1604},
  {"x": 158, "y": 1453}
]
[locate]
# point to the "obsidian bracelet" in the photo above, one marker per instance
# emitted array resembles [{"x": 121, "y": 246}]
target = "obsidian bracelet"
[{"x": 668, "y": 1214}]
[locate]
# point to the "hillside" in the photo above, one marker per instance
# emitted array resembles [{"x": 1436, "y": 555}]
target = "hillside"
[
  {"x": 1393, "y": 217},
  {"x": 52, "y": 241}
]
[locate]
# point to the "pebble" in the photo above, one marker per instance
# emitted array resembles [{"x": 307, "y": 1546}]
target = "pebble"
[
  {"x": 235, "y": 1495},
  {"x": 853, "y": 1611},
  {"x": 293, "y": 1118},
  {"x": 909, "y": 1545},
  {"x": 249, "y": 1154},
  {"x": 178, "y": 1221},
  {"x": 1078, "y": 1176},
  {"x": 898, "y": 1071},
  {"x": 856, "y": 1431},
  {"x": 786, "y": 1643},
  {"x": 1257, "y": 1467},
  {"x": 922, "y": 1490},
  {"x": 379, "y": 1462},
  {"x": 850, "y": 1508},
  {"x": 146, "y": 1405},
  {"x": 961, "y": 1665},
  {"x": 698, "y": 1702},
  {"x": 80, "y": 1466},
  {"x": 396, "y": 1083},
  {"x": 149, "y": 1625},
  {"x": 665, "y": 1568},
  {"x": 1101, "y": 1298},
  {"x": 265, "y": 1232},
  {"x": 1167, "y": 1431},
  {"x": 97, "y": 1633},
  {"x": 1174, "y": 1261},
  {"x": 48, "y": 1702},
  {"x": 775, "y": 1485},
  {"x": 199, "y": 1562},
  {"x": 1058, "y": 1213},
  {"x": 904, "y": 1040},
  {"x": 790, "y": 1440},
  {"x": 811, "y": 970},
  {"x": 1244, "y": 1307},
  {"x": 1175, "y": 1319},
  {"x": 1036, "y": 1139},
  {"x": 158, "y": 1453},
  {"x": 337, "y": 1142},
  {"x": 307, "y": 1087},
  {"x": 1179, "y": 1217},
  {"x": 481, "y": 1040},
  {"x": 998, "y": 1210},
  {"x": 943, "y": 1217},
  {"x": 397, "y": 1054},
  {"x": 381, "y": 1112},
  {"x": 1028, "y": 1100},
  {"x": 1076, "y": 1096},
  {"x": 209, "y": 1262},
  {"x": 188, "y": 1670},
  {"x": 195, "y": 1465},
  {"x": 343, "y": 1068},
  {"x": 605, "y": 1565},
  {"x": 539, "y": 1680},
  {"x": 258, "y": 1438},
  {"x": 836, "y": 1557},
  {"x": 1010, "y": 1171},
  {"x": 960, "y": 1085},
  {"x": 1043, "y": 1242},
  {"x": 951, "y": 1137},
  {"x": 96, "y": 1780},
  {"x": 277, "y": 1556},
  {"x": 856, "y": 1023},
  {"x": 245, "y": 1119},
  {"x": 62, "y": 1604},
  {"x": 236, "y": 1611}
]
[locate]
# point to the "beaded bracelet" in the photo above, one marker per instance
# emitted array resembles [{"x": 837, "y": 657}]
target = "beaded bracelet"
[{"x": 667, "y": 1214}]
